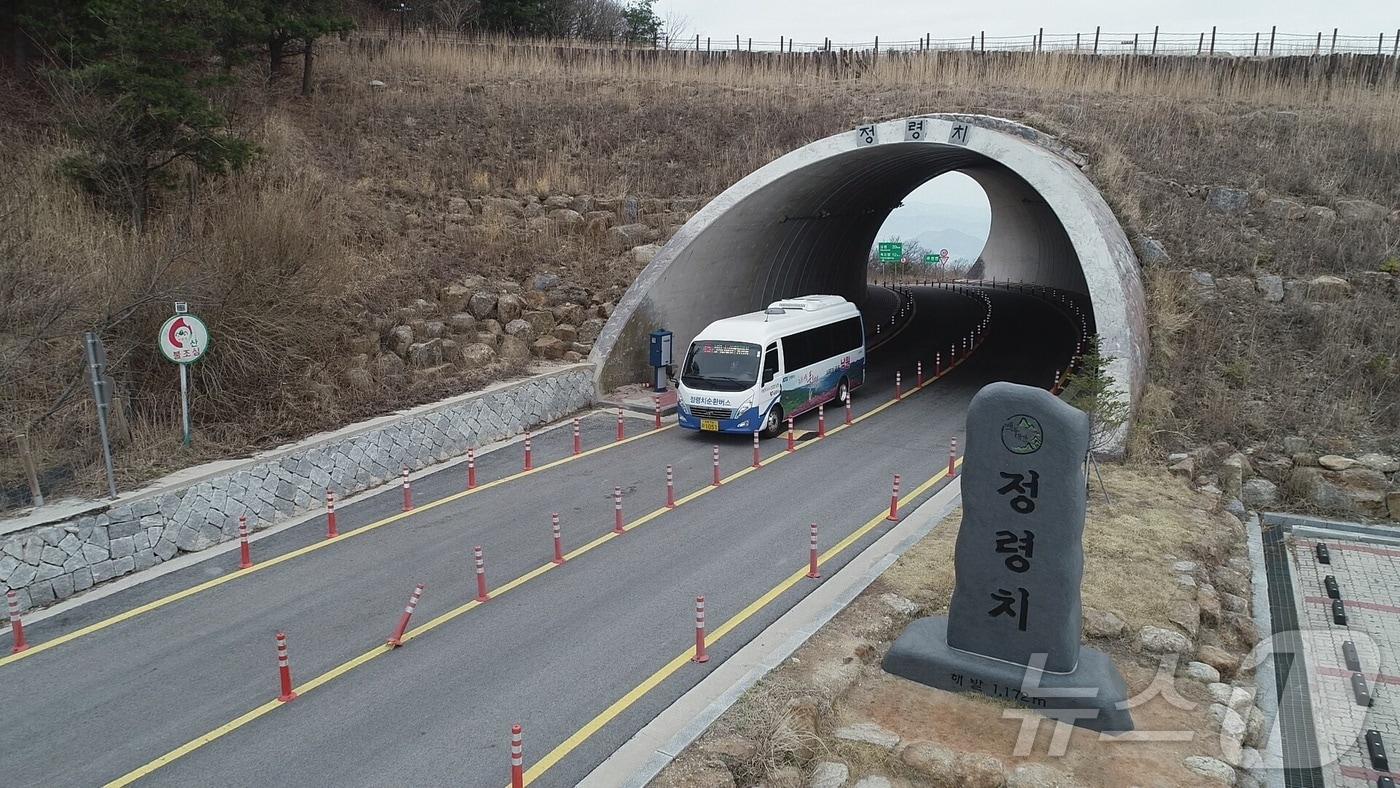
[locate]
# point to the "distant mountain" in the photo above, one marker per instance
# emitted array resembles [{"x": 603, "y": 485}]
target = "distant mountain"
[{"x": 961, "y": 229}]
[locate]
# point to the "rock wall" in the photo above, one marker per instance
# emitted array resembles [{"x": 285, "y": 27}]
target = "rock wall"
[{"x": 54, "y": 561}]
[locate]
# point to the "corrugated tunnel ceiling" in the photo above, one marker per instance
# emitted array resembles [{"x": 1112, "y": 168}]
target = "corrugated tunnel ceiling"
[{"x": 805, "y": 222}]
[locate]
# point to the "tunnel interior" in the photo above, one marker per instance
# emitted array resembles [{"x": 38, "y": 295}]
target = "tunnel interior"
[{"x": 804, "y": 224}]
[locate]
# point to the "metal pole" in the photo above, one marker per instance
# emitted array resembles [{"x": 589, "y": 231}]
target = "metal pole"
[
  {"x": 91, "y": 341},
  {"x": 1135, "y": 43},
  {"x": 1097, "y": 28},
  {"x": 27, "y": 457},
  {"x": 1256, "y": 45},
  {"x": 1273, "y": 31},
  {"x": 185, "y": 403},
  {"x": 736, "y": 42},
  {"x": 1212, "y": 40},
  {"x": 1040, "y": 40},
  {"x": 1395, "y": 47},
  {"x": 1201, "y": 44},
  {"x": 1155, "y": 28},
  {"x": 877, "y": 47},
  {"x": 1317, "y": 48},
  {"x": 1076, "y": 43},
  {"x": 1334, "y": 41},
  {"x": 1380, "y": 44},
  {"x": 983, "y": 42}
]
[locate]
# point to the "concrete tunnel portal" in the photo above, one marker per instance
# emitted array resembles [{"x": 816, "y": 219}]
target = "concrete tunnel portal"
[{"x": 804, "y": 223}]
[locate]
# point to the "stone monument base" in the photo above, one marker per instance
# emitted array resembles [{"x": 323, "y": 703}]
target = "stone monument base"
[{"x": 1091, "y": 696}]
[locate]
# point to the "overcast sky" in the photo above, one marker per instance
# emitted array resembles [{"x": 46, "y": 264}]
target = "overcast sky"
[{"x": 910, "y": 19}]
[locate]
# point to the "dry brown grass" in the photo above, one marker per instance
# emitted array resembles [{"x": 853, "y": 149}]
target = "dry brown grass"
[
  {"x": 344, "y": 220},
  {"x": 1155, "y": 136}
]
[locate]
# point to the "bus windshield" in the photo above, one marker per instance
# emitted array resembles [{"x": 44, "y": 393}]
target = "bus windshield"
[{"x": 721, "y": 366}]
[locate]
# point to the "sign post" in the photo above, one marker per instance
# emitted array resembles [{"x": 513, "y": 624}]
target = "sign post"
[
  {"x": 102, "y": 394},
  {"x": 1013, "y": 624},
  {"x": 183, "y": 339}
]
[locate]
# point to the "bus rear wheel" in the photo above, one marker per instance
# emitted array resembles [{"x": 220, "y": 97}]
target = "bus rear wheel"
[{"x": 774, "y": 423}]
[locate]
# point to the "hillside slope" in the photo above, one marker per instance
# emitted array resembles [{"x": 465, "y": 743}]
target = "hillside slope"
[{"x": 431, "y": 193}]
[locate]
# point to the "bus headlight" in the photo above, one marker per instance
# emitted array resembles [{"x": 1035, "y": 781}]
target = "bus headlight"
[{"x": 742, "y": 409}]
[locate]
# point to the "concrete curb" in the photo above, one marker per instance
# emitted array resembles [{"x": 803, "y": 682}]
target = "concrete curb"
[
  {"x": 185, "y": 560},
  {"x": 642, "y": 757},
  {"x": 1266, "y": 687}
]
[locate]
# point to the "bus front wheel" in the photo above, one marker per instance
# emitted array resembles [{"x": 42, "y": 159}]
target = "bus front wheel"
[
  {"x": 843, "y": 392},
  {"x": 774, "y": 423}
]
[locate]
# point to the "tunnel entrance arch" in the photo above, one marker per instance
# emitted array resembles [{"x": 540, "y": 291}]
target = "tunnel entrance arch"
[{"x": 804, "y": 222}]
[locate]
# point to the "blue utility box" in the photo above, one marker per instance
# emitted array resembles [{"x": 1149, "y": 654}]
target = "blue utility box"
[{"x": 660, "y": 357}]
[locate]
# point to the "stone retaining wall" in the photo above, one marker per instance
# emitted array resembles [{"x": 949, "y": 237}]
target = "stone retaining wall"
[{"x": 51, "y": 562}]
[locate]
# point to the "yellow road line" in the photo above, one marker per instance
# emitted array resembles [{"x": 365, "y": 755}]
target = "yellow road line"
[
  {"x": 454, "y": 613},
  {"x": 681, "y": 659},
  {"x": 127, "y": 615}
]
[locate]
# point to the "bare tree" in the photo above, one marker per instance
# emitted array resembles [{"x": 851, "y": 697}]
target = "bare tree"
[
  {"x": 674, "y": 28},
  {"x": 598, "y": 20},
  {"x": 455, "y": 14}
]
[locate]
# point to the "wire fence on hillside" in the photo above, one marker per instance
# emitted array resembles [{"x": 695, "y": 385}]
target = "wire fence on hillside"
[{"x": 1205, "y": 43}]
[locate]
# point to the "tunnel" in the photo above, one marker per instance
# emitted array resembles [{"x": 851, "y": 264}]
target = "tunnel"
[{"x": 804, "y": 224}]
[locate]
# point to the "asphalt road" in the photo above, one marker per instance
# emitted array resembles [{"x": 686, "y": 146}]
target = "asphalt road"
[{"x": 551, "y": 653}]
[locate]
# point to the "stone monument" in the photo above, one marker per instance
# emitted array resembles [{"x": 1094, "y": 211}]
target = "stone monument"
[{"x": 1013, "y": 625}]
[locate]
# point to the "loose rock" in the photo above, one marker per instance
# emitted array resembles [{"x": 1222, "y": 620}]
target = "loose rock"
[
  {"x": 551, "y": 348},
  {"x": 1163, "y": 641},
  {"x": 482, "y": 305},
  {"x": 641, "y": 255},
  {"x": 1211, "y": 768},
  {"x": 931, "y": 759},
  {"x": 1336, "y": 462},
  {"x": 1102, "y": 623},
  {"x": 1328, "y": 288},
  {"x": 1227, "y": 200},
  {"x": 1202, "y": 672},
  {"x": 869, "y": 733},
  {"x": 829, "y": 774},
  {"x": 1258, "y": 493},
  {"x": 974, "y": 770},
  {"x": 1218, "y": 658},
  {"x": 1360, "y": 211},
  {"x": 1153, "y": 253},
  {"x": 1383, "y": 463}
]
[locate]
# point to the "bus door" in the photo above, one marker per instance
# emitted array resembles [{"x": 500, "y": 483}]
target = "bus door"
[{"x": 772, "y": 380}]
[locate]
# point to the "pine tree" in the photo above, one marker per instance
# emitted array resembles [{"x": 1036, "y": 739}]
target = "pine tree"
[
  {"x": 283, "y": 25},
  {"x": 643, "y": 25},
  {"x": 134, "y": 83},
  {"x": 1091, "y": 389}
]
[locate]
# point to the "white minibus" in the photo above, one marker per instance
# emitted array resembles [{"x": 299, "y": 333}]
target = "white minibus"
[{"x": 751, "y": 372}]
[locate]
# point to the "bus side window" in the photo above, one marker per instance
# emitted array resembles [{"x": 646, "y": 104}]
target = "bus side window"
[{"x": 770, "y": 363}]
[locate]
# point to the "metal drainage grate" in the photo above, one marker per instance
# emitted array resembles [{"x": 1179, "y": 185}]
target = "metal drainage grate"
[{"x": 1294, "y": 708}]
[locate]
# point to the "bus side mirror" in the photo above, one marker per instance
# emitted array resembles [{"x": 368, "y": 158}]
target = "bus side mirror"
[{"x": 671, "y": 375}]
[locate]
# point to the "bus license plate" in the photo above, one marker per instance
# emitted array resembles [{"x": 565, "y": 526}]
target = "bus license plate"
[{"x": 711, "y": 425}]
